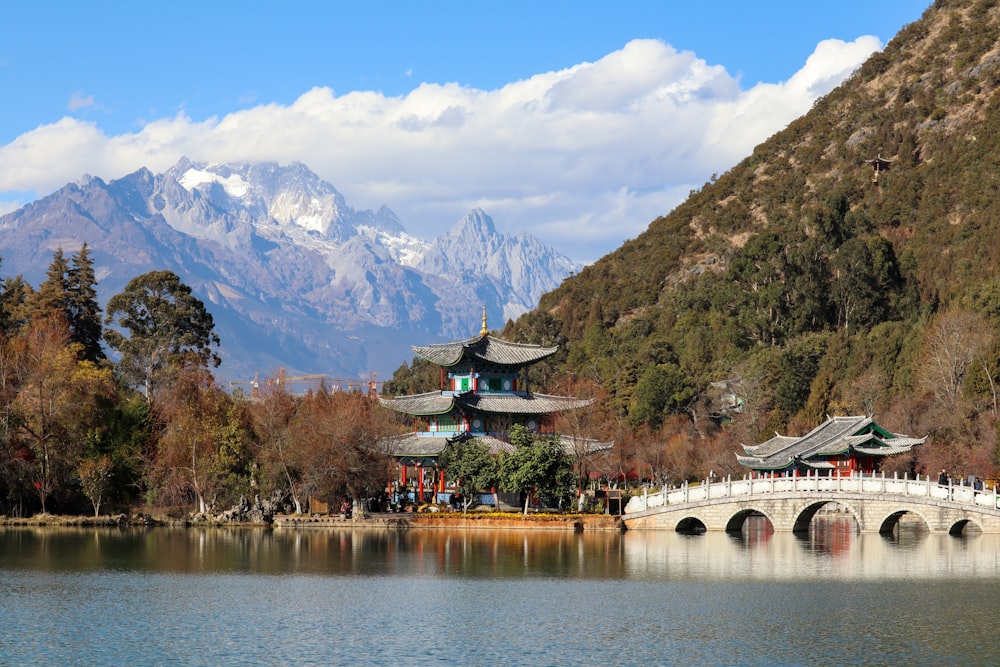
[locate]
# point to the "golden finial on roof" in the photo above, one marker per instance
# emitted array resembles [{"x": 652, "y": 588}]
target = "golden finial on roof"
[{"x": 484, "y": 330}]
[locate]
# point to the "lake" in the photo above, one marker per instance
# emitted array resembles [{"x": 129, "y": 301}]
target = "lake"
[{"x": 165, "y": 596}]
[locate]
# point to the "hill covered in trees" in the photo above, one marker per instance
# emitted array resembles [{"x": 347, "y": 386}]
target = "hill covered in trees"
[{"x": 803, "y": 283}]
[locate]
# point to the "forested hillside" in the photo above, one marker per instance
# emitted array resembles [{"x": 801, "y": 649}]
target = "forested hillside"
[{"x": 799, "y": 286}]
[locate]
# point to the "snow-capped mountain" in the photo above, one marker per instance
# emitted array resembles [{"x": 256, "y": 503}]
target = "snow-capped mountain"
[{"x": 294, "y": 277}]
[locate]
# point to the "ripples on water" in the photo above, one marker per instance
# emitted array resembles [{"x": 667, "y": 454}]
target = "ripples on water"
[{"x": 439, "y": 597}]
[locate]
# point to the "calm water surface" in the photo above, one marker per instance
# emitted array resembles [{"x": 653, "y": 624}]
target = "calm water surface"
[{"x": 438, "y": 597}]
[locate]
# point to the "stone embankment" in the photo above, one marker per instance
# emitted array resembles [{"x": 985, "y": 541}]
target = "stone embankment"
[
  {"x": 472, "y": 521},
  {"x": 481, "y": 521}
]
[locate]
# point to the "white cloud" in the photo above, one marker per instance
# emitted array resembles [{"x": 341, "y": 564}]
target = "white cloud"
[
  {"x": 583, "y": 158},
  {"x": 80, "y": 101},
  {"x": 766, "y": 108}
]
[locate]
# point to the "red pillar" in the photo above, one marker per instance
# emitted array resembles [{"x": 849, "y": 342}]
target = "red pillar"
[
  {"x": 420, "y": 483},
  {"x": 402, "y": 475}
]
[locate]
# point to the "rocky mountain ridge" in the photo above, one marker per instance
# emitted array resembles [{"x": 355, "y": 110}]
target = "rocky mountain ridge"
[{"x": 294, "y": 277}]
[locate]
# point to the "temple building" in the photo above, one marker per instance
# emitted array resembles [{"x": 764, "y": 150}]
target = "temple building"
[
  {"x": 485, "y": 391},
  {"x": 838, "y": 446}
]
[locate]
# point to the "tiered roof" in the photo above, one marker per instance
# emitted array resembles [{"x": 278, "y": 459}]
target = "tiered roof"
[
  {"x": 484, "y": 348},
  {"x": 417, "y": 446},
  {"x": 437, "y": 403},
  {"x": 836, "y": 436}
]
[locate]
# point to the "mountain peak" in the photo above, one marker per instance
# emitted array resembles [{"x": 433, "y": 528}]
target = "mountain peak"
[
  {"x": 475, "y": 224},
  {"x": 293, "y": 276}
]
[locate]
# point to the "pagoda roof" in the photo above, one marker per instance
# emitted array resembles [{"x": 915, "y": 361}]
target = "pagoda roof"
[
  {"x": 484, "y": 348},
  {"x": 532, "y": 404},
  {"x": 834, "y": 437},
  {"x": 411, "y": 444},
  {"x": 431, "y": 403},
  {"x": 439, "y": 403},
  {"x": 425, "y": 446}
]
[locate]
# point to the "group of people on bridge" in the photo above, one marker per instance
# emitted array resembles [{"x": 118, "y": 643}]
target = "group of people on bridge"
[{"x": 945, "y": 479}]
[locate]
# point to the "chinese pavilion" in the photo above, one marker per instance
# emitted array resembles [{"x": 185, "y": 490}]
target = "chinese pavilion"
[
  {"x": 838, "y": 446},
  {"x": 485, "y": 391}
]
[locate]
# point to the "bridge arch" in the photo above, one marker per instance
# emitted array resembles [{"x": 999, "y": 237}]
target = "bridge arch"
[
  {"x": 965, "y": 526},
  {"x": 891, "y": 521},
  {"x": 691, "y": 525},
  {"x": 736, "y": 521},
  {"x": 804, "y": 517}
]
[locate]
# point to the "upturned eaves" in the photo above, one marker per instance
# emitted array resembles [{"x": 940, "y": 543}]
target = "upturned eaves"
[{"x": 484, "y": 348}]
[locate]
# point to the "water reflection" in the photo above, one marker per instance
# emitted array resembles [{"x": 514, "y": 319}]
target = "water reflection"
[
  {"x": 368, "y": 552},
  {"x": 832, "y": 550}
]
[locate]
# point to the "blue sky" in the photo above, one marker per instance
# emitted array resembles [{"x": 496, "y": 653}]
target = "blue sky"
[{"x": 578, "y": 122}]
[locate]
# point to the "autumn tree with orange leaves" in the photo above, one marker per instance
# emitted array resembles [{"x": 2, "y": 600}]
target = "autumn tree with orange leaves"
[
  {"x": 339, "y": 449},
  {"x": 53, "y": 403},
  {"x": 204, "y": 451}
]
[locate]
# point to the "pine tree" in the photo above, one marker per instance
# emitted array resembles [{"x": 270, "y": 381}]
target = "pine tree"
[
  {"x": 14, "y": 293},
  {"x": 84, "y": 313},
  {"x": 53, "y": 294}
]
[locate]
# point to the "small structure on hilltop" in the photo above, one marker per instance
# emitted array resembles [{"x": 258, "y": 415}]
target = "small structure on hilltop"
[
  {"x": 838, "y": 446},
  {"x": 484, "y": 391},
  {"x": 878, "y": 164}
]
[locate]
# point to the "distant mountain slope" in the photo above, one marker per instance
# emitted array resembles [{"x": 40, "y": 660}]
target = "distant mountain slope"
[
  {"x": 293, "y": 276},
  {"x": 795, "y": 269}
]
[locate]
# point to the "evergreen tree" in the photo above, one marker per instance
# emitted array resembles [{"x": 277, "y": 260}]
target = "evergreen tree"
[
  {"x": 84, "y": 313},
  {"x": 470, "y": 463},
  {"x": 14, "y": 293},
  {"x": 538, "y": 464},
  {"x": 169, "y": 330},
  {"x": 53, "y": 294}
]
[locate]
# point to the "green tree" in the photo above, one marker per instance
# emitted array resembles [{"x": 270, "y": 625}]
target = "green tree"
[
  {"x": 471, "y": 464},
  {"x": 417, "y": 378},
  {"x": 83, "y": 310},
  {"x": 169, "y": 329},
  {"x": 797, "y": 366},
  {"x": 123, "y": 435},
  {"x": 830, "y": 220},
  {"x": 95, "y": 479},
  {"x": 538, "y": 464},
  {"x": 662, "y": 390},
  {"x": 860, "y": 299},
  {"x": 759, "y": 270},
  {"x": 14, "y": 293},
  {"x": 53, "y": 294},
  {"x": 69, "y": 289}
]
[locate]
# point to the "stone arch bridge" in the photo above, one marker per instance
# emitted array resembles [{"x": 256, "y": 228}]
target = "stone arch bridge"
[{"x": 877, "y": 503}]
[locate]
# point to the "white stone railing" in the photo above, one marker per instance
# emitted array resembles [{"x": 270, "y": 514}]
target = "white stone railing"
[{"x": 871, "y": 485}]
